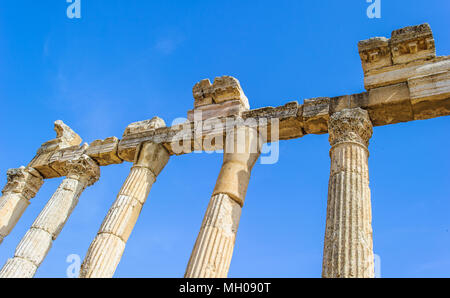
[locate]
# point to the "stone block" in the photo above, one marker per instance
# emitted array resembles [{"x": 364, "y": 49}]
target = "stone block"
[
  {"x": 224, "y": 109},
  {"x": 388, "y": 105},
  {"x": 61, "y": 157},
  {"x": 223, "y": 89},
  {"x": 105, "y": 152},
  {"x": 316, "y": 114},
  {"x": 137, "y": 133},
  {"x": 430, "y": 95},
  {"x": 375, "y": 53}
]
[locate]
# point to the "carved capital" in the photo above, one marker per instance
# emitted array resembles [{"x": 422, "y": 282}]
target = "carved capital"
[
  {"x": 350, "y": 125},
  {"x": 242, "y": 149},
  {"x": 152, "y": 156},
  {"x": 83, "y": 168},
  {"x": 242, "y": 145},
  {"x": 26, "y": 181}
]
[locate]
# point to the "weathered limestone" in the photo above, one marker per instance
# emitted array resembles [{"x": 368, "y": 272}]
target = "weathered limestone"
[
  {"x": 105, "y": 152},
  {"x": 430, "y": 90},
  {"x": 223, "y": 89},
  {"x": 23, "y": 185},
  {"x": 315, "y": 115},
  {"x": 386, "y": 105},
  {"x": 223, "y": 98},
  {"x": 213, "y": 249},
  {"x": 106, "y": 250},
  {"x": 400, "y": 73},
  {"x": 391, "y": 61},
  {"x": 65, "y": 138},
  {"x": 223, "y": 109},
  {"x": 375, "y": 53},
  {"x": 37, "y": 242},
  {"x": 348, "y": 249},
  {"x": 412, "y": 43},
  {"x": 60, "y": 159},
  {"x": 136, "y": 134},
  {"x": 409, "y": 44},
  {"x": 404, "y": 74},
  {"x": 289, "y": 117}
]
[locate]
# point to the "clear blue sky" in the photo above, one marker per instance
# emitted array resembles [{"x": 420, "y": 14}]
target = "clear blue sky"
[{"x": 126, "y": 61}]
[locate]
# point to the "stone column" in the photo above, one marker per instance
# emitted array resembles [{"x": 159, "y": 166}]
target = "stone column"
[
  {"x": 348, "y": 249},
  {"x": 106, "y": 250},
  {"x": 35, "y": 245},
  {"x": 22, "y": 186},
  {"x": 211, "y": 256}
]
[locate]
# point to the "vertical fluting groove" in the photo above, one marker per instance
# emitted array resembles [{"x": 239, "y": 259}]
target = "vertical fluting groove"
[
  {"x": 347, "y": 212},
  {"x": 220, "y": 254},
  {"x": 338, "y": 225},
  {"x": 228, "y": 253},
  {"x": 346, "y": 224},
  {"x": 211, "y": 256},
  {"x": 59, "y": 208},
  {"x": 107, "y": 248},
  {"x": 216, "y": 235},
  {"x": 358, "y": 209},
  {"x": 10, "y": 270},
  {"x": 207, "y": 225},
  {"x": 38, "y": 240},
  {"x": 348, "y": 248},
  {"x": 104, "y": 255},
  {"x": 209, "y": 259},
  {"x": 348, "y": 208}
]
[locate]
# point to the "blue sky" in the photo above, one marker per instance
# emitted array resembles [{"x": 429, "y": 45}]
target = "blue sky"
[{"x": 126, "y": 61}]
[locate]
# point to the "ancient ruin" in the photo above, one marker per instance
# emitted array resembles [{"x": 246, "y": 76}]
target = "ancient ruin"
[{"x": 404, "y": 79}]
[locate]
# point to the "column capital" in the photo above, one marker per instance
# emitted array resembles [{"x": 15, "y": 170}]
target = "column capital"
[
  {"x": 242, "y": 144},
  {"x": 241, "y": 151},
  {"x": 350, "y": 126},
  {"x": 84, "y": 168},
  {"x": 152, "y": 156},
  {"x": 26, "y": 181}
]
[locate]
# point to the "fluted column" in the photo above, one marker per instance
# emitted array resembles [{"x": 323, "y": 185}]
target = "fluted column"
[
  {"x": 348, "y": 248},
  {"x": 35, "y": 245},
  {"x": 106, "y": 250},
  {"x": 23, "y": 184},
  {"x": 213, "y": 250}
]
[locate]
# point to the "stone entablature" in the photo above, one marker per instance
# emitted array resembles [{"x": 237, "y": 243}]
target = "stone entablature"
[{"x": 415, "y": 43}]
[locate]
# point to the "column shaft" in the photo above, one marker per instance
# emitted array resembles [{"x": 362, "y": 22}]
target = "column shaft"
[
  {"x": 35, "y": 245},
  {"x": 213, "y": 249},
  {"x": 215, "y": 243},
  {"x": 106, "y": 250},
  {"x": 348, "y": 249}
]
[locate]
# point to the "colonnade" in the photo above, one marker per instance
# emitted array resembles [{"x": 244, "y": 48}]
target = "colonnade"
[{"x": 348, "y": 248}]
